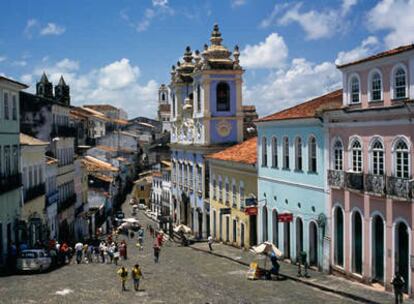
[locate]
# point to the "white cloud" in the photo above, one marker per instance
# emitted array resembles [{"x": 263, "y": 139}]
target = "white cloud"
[
  {"x": 30, "y": 25},
  {"x": 396, "y": 17},
  {"x": 317, "y": 24},
  {"x": 3, "y": 58},
  {"x": 235, "y": 3},
  {"x": 52, "y": 29},
  {"x": 116, "y": 83},
  {"x": 367, "y": 47},
  {"x": 159, "y": 2},
  {"x": 19, "y": 63},
  {"x": 295, "y": 84},
  {"x": 271, "y": 53}
]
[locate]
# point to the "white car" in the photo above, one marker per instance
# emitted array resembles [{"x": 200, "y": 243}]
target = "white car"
[
  {"x": 33, "y": 260},
  {"x": 142, "y": 207}
]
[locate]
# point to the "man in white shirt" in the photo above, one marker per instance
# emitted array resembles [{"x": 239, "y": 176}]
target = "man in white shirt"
[{"x": 210, "y": 242}]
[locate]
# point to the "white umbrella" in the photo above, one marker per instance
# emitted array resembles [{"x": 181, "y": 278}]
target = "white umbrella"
[
  {"x": 130, "y": 220},
  {"x": 266, "y": 248},
  {"x": 182, "y": 228}
]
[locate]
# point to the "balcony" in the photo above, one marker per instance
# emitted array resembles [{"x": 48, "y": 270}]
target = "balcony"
[
  {"x": 63, "y": 131},
  {"x": 71, "y": 200},
  {"x": 10, "y": 182},
  {"x": 33, "y": 192},
  {"x": 354, "y": 181},
  {"x": 374, "y": 184},
  {"x": 51, "y": 198},
  {"x": 336, "y": 179},
  {"x": 399, "y": 188}
]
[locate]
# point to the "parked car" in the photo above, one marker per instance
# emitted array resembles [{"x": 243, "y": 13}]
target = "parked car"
[
  {"x": 142, "y": 206},
  {"x": 33, "y": 260}
]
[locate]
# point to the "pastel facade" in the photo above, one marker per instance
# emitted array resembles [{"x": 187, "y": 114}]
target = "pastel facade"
[
  {"x": 370, "y": 172},
  {"x": 10, "y": 170},
  {"x": 292, "y": 180},
  {"x": 206, "y": 116},
  {"x": 233, "y": 177}
]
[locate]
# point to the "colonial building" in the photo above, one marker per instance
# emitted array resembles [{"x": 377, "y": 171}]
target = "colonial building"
[
  {"x": 46, "y": 116},
  {"x": 164, "y": 108},
  {"x": 206, "y": 116},
  {"x": 370, "y": 174},
  {"x": 233, "y": 177},
  {"x": 141, "y": 191},
  {"x": 291, "y": 179},
  {"x": 33, "y": 162},
  {"x": 156, "y": 195},
  {"x": 52, "y": 197},
  {"x": 10, "y": 170}
]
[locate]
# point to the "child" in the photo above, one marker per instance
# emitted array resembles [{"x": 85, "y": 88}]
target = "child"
[
  {"x": 123, "y": 274},
  {"x": 136, "y": 274}
]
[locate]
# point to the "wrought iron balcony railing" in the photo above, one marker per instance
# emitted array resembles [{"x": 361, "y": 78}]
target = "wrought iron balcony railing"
[
  {"x": 399, "y": 188},
  {"x": 71, "y": 200},
  {"x": 336, "y": 178},
  {"x": 34, "y": 192},
  {"x": 354, "y": 181},
  {"x": 374, "y": 184},
  {"x": 63, "y": 131}
]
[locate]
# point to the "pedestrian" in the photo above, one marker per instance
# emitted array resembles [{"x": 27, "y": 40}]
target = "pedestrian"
[
  {"x": 160, "y": 238},
  {"x": 157, "y": 250},
  {"x": 141, "y": 238},
  {"x": 78, "y": 250},
  {"x": 90, "y": 253},
  {"x": 132, "y": 234},
  {"x": 136, "y": 274},
  {"x": 123, "y": 275},
  {"x": 102, "y": 249},
  {"x": 210, "y": 242},
  {"x": 398, "y": 284},
  {"x": 116, "y": 255},
  {"x": 275, "y": 265}
]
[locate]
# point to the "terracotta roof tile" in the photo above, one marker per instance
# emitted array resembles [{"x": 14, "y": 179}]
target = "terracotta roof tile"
[
  {"x": 244, "y": 152},
  {"x": 308, "y": 109},
  {"x": 31, "y": 141},
  {"x": 387, "y": 53}
]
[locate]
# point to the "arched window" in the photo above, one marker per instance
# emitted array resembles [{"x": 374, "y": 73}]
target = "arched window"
[
  {"x": 274, "y": 152},
  {"x": 401, "y": 166},
  {"x": 338, "y": 155},
  {"x": 163, "y": 96},
  {"x": 355, "y": 89},
  {"x": 356, "y": 153},
  {"x": 375, "y": 86},
  {"x": 285, "y": 153},
  {"x": 223, "y": 97},
  {"x": 264, "y": 152},
  {"x": 377, "y": 158},
  {"x": 198, "y": 98},
  {"x": 298, "y": 154},
  {"x": 400, "y": 83},
  {"x": 312, "y": 154},
  {"x": 173, "y": 105}
]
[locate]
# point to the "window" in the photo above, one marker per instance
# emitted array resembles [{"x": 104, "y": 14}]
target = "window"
[
  {"x": 264, "y": 152},
  {"x": 14, "y": 107},
  {"x": 356, "y": 153},
  {"x": 214, "y": 188},
  {"x": 298, "y": 154},
  {"x": 227, "y": 191},
  {"x": 223, "y": 97},
  {"x": 377, "y": 158},
  {"x": 338, "y": 156},
  {"x": 6, "y": 105},
  {"x": 15, "y": 159},
  {"x": 234, "y": 192},
  {"x": 1, "y": 162},
  {"x": 7, "y": 161},
  {"x": 376, "y": 87},
  {"x": 220, "y": 190},
  {"x": 241, "y": 194},
  {"x": 274, "y": 152},
  {"x": 401, "y": 159},
  {"x": 198, "y": 98},
  {"x": 312, "y": 154},
  {"x": 400, "y": 83},
  {"x": 163, "y": 96},
  {"x": 173, "y": 105},
  {"x": 285, "y": 153},
  {"x": 354, "y": 89}
]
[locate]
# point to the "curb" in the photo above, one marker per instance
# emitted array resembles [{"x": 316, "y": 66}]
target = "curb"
[{"x": 293, "y": 278}]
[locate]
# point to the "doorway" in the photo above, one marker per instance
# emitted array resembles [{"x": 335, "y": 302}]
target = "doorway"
[
  {"x": 234, "y": 231},
  {"x": 242, "y": 235},
  {"x": 299, "y": 237},
  {"x": 200, "y": 224},
  {"x": 377, "y": 249},
  {"x": 286, "y": 239},
  {"x": 275, "y": 231},
  {"x": 313, "y": 244},
  {"x": 401, "y": 252},
  {"x": 253, "y": 230},
  {"x": 357, "y": 243},
  {"x": 339, "y": 237},
  {"x": 227, "y": 229}
]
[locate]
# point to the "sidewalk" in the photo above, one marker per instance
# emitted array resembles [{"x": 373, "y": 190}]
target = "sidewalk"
[{"x": 353, "y": 290}]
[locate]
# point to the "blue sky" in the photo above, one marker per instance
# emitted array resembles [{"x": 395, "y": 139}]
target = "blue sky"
[{"x": 119, "y": 52}]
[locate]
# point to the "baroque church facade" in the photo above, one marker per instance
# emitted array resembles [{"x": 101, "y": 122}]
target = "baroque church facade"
[{"x": 206, "y": 117}]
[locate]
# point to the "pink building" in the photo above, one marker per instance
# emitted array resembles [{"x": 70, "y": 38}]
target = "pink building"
[{"x": 371, "y": 210}]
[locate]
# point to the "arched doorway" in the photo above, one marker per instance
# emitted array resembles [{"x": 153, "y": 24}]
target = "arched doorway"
[
  {"x": 402, "y": 252},
  {"x": 286, "y": 239},
  {"x": 200, "y": 224},
  {"x": 313, "y": 244},
  {"x": 377, "y": 254},
  {"x": 234, "y": 231},
  {"x": 227, "y": 229},
  {"x": 214, "y": 223},
  {"x": 275, "y": 226},
  {"x": 299, "y": 236},
  {"x": 264, "y": 224},
  {"x": 339, "y": 237},
  {"x": 242, "y": 235},
  {"x": 357, "y": 242}
]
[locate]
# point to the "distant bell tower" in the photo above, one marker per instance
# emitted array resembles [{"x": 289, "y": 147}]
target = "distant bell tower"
[
  {"x": 44, "y": 88},
  {"x": 164, "y": 108},
  {"x": 62, "y": 92}
]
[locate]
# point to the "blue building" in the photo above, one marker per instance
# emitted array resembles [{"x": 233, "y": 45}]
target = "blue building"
[
  {"x": 206, "y": 116},
  {"x": 292, "y": 180}
]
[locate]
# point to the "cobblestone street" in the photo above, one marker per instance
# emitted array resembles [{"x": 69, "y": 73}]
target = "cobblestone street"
[{"x": 182, "y": 276}]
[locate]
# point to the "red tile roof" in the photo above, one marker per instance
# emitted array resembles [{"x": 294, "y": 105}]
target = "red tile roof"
[
  {"x": 244, "y": 152},
  {"x": 308, "y": 109},
  {"x": 387, "y": 53}
]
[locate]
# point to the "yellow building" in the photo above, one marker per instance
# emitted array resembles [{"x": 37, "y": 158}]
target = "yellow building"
[
  {"x": 141, "y": 191},
  {"x": 233, "y": 178}
]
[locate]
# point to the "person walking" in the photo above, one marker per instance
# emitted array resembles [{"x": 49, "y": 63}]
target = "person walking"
[
  {"x": 123, "y": 275},
  {"x": 141, "y": 238},
  {"x": 78, "y": 250},
  {"x": 136, "y": 274},
  {"x": 398, "y": 284},
  {"x": 157, "y": 250},
  {"x": 116, "y": 255},
  {"x": 210, "y": 242}
]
